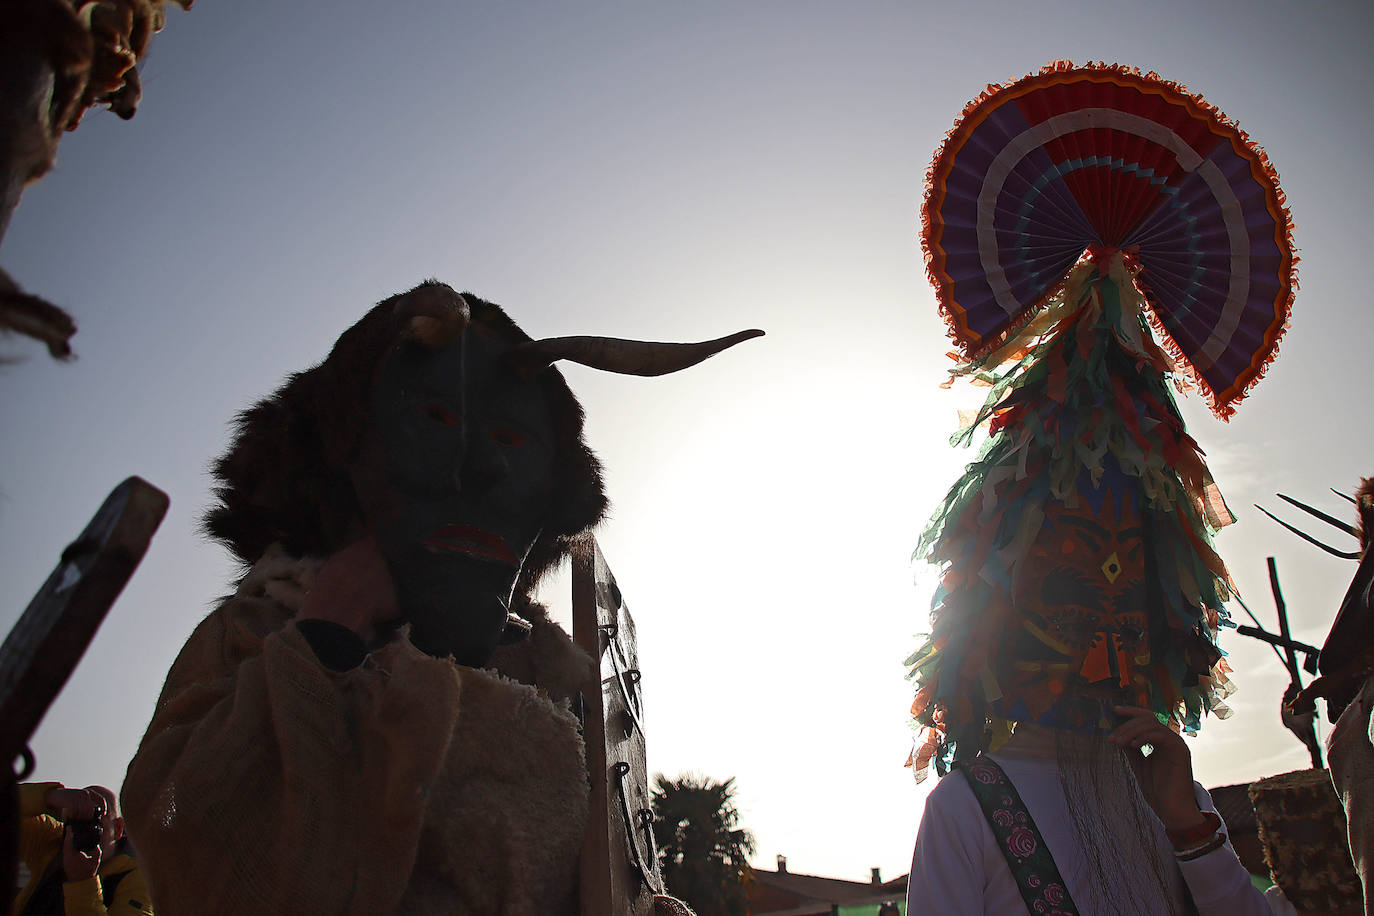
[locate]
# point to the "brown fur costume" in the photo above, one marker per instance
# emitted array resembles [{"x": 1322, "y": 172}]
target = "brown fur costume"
[
  {"x": 268, "y": 783},
  {"x": 1349, "y": 651}
]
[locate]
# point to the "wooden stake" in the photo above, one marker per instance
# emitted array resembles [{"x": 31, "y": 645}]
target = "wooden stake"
[{"x": 46, "y": 644}]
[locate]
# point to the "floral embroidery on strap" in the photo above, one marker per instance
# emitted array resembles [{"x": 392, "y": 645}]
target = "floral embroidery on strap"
[{"x": 1032, "y": 866}]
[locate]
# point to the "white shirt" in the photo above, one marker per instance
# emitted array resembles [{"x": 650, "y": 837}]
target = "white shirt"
[{"x": 958, "y": 868}]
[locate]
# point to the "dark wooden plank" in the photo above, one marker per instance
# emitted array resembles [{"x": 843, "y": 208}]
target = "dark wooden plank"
[
  {"x": 620, "y": 872},
  {"x": 52, "y": 634},
  {"x": 50, "y": 637},
  {"x": 595, "y": 889}
]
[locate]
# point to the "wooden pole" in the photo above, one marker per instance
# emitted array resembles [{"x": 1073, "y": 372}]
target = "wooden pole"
[
  {"x": 1291, "y": 655},
  {"x": 52, "y": 634},
  {"x": 620, "y": 870}
]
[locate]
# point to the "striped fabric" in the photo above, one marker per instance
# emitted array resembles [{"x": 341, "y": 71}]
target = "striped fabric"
[{"x": 1086, "y": 159}]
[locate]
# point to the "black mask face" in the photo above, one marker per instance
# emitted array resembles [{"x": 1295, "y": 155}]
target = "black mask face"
[{"x": 455, "y": 479}]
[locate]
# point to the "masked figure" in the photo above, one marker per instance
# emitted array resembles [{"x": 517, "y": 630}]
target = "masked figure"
[
  {"x": 1070, "y": 218},
  {"x": 1346, "y": 664},
  {"x": 328, "y": 740},
  {"x": 1083, "y": 594}
]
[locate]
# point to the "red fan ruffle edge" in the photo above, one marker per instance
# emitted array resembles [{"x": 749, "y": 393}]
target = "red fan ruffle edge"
[{"x": 1222, "y": 403}]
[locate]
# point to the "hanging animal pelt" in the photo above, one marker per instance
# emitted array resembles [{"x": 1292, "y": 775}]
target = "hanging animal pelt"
[{"x": 59, "y": 59}]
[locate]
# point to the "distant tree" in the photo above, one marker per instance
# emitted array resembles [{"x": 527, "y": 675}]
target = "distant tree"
[{"x": 701, "y": 848}]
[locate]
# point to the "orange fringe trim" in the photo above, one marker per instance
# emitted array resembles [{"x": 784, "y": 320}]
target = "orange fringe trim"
[{"x": 1222, "y": 403}]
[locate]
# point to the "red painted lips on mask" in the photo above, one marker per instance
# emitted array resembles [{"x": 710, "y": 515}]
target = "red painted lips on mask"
[{"x": 474, "y": 542}]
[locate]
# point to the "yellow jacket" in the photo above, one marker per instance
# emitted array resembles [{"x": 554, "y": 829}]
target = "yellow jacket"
[{"x": 40, "y": 843}]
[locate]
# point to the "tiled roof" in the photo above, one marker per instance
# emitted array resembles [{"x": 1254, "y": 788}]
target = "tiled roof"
[
  {"x": 1233, "y": 804},
  {"x": 792, "y": 894}
]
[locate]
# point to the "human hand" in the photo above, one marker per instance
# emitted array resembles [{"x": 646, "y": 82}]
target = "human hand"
[
  {"x": 1166, "y": 776},
  {"x": 72, "y": 804},
  {"x": 76, "y": 864},
  {"x": 353, "y": 588}
]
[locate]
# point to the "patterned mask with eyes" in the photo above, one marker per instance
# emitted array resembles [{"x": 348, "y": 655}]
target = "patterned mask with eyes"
[
  {"x": 1082, "y": 596},
  {"x": 455, "y": 479}
]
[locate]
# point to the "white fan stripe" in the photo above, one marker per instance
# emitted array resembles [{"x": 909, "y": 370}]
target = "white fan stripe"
[
  {"x": 1239, "y": 290},
  {"x": 1036, "y": 136}
]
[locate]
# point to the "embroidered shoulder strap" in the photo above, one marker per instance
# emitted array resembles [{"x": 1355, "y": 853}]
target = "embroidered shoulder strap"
[{"x": 1030, "y": 861}]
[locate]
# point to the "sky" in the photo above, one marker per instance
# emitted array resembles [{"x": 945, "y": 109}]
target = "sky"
[{"x": 667, "y": 172}]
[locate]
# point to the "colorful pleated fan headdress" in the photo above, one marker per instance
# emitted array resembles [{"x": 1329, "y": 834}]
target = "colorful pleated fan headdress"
[{"x": 1095, "y": 236}]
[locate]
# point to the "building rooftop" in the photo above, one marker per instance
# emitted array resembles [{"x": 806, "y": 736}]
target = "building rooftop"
[{"x": 785, "y": 893}]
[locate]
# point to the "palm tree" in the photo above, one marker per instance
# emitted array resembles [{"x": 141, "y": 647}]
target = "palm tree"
[{"x": 701, "y": 849}]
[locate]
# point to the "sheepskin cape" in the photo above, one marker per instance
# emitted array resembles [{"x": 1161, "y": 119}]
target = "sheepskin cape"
[{"x": 268, "y": 783}]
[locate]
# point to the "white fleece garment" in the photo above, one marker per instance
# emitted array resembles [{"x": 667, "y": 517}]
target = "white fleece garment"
[{"x": 958, "y": 868}]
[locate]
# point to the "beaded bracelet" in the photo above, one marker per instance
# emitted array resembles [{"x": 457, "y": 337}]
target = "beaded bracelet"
[
  {"x": 1197, "y": 852},
  {"x": 1183, "y": 839}
]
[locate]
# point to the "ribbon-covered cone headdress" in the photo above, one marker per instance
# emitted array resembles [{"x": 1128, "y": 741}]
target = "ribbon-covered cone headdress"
[{"x": 1069, "y": 218}]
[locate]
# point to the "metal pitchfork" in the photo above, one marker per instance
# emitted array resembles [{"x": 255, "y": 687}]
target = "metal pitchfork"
[
  {"x": 1302, "y": 725},
  {"x": 1317, "y": 513}
]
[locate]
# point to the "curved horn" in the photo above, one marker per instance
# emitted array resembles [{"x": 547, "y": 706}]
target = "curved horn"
[{"x": 627, "y": 357}]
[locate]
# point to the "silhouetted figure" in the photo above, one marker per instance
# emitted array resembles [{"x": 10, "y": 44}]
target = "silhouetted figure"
[{"x": 328, "y": 740}]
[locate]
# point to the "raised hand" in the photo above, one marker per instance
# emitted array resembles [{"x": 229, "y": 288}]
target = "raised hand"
[
  {"x": 78, "y": 865},
  {"x": 354, "y": 588},
  {"x": 72, "y": 804},
  {"x": 1166, "y": 775}
]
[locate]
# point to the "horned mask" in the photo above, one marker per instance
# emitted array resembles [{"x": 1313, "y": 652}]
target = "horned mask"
[{"x": 440, "y": 427}]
